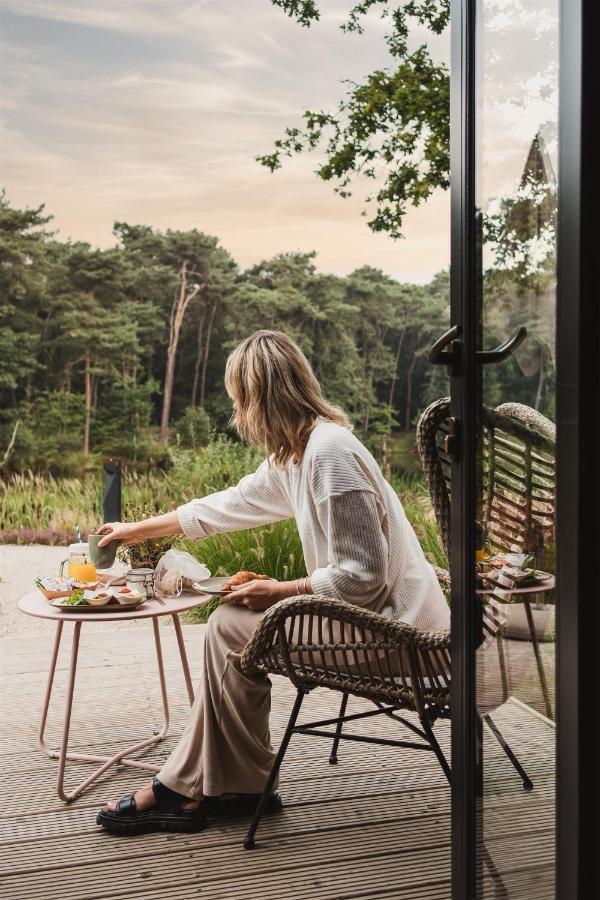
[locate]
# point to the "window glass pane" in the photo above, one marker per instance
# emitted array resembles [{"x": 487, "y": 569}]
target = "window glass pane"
[{"x": 516, "y": 165}]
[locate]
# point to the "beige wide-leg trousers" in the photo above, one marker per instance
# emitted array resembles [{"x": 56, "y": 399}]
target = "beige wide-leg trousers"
[{"x": 226, "y": 747}]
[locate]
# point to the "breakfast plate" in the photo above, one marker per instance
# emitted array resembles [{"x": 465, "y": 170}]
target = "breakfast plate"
[
  {"x": 217, "y": 586},
  {"x": 213, "y": 586},
  {"x": 91, "y": 601},
  {"x": 86, "y": 608}
]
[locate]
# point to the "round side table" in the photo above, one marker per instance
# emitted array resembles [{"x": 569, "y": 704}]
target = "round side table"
[
  {"x": 35, "y": 604},
  {"x": 527, "y": 594}
]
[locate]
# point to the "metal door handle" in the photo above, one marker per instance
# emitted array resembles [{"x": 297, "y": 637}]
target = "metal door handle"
[
  {"x": 441, "y": 356},
  {"x": 438, "y": 355},
  {"x": 502, "y": 351}
]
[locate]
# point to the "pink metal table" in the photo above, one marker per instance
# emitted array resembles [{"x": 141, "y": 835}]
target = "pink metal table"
[
  {"x": 35, "y": 604},
  {"x": 542, "y": 588}
]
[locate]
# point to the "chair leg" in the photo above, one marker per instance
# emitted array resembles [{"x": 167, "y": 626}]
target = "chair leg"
[
  {"x": 338, "y": 730},
  {"x": 527, "y": 783},
  {"x": 437, "y": 750},
  {"x": 249, "y": 839}
]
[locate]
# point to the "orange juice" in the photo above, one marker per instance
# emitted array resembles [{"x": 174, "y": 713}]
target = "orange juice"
[
  {"x": 78, "y": 563},
  {"x": 82, "y": 571}
]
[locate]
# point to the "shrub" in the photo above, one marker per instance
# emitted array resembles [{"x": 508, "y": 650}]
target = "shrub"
[{"x": 193, "y": 429}]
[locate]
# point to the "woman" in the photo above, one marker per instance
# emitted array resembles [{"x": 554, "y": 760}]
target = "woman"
[{"x": 358, "y": 547}]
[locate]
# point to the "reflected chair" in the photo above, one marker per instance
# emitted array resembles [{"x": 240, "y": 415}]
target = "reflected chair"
[{"x": 518, "y": 490}]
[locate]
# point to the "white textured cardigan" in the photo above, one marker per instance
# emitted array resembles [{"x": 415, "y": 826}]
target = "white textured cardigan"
[{"x": 358, "y": 544}]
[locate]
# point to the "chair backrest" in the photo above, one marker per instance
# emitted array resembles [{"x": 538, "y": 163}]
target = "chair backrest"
[{"x": 518, "y": 470}]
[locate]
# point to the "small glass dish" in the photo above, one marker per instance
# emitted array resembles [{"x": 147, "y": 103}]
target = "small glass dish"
[{"x": 130, "y": 599}]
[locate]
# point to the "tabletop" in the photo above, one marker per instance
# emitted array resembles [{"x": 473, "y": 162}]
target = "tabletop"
[
  {"x": 35, "y": 604},
  {"x": 548, "y": 584}
]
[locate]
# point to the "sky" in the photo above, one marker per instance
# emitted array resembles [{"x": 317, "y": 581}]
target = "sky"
[{"x": 152, "y": 111}]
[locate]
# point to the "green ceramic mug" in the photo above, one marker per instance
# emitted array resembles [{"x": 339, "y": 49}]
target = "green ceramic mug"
[{"x": 102, "y": 557}]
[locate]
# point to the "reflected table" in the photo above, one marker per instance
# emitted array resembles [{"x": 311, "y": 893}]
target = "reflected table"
[
  {"x": 526, "y": 595},
  {"x": 35, "y": 604}
]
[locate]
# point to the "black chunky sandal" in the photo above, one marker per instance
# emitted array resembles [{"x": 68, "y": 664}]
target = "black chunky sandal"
[
  {"x": 167, "y": 815},
  {"x": 240, "y": 805}
]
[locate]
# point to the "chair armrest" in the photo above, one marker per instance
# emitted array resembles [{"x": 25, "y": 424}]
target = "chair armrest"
[
  {"x": 315, "y": 640},
  {"x": 319, "y": 606}
]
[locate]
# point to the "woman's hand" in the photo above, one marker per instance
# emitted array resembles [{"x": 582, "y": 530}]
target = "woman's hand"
[
  {"x": 125, "y": 532},
  {"x": 258, "y": 595}
]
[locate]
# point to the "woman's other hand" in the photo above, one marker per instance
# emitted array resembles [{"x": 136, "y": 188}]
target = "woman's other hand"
[
  {"x": 125, "y": 532},
  {"x": 258, "y": 595}
]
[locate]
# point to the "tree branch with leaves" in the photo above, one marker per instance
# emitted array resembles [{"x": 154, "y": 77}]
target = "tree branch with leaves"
[{"x": 393, "y": 128}]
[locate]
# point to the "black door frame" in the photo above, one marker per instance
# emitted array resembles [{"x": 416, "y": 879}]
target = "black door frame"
[
  {"x": 466, "y": 767},
  {"x": 578, "y": 445}
]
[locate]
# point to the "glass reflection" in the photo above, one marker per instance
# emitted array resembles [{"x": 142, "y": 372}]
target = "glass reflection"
[{"x": 516, "y": 130}]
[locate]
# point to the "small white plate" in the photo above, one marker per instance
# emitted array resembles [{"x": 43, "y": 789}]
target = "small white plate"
[
  {"x": 213, "y": 585},
  {"x": 130, "y": 599}
]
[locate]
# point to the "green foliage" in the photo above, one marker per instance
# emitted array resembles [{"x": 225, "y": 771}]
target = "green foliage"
[
  {"x": 87, "y": 340},
  {"x": 42, "y": 502},
  {"x": 100, "y": 346},
  {"x": 417, "y": 506},
  {"x": 519, "y": 285},
  {"x": 46, "y": 503},
  {"x": 391, "y": 129},
  {"x": 49, "y": 438},
  {"x": 193, "y": 429}
]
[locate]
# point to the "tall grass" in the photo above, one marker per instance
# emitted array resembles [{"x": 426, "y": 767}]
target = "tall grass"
[
  {"x": 42, "y": 503},
  {"x": 34, "y": 507}
]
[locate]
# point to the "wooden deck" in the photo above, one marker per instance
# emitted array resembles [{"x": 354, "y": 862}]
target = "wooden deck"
[{"x": 374, "y": 826}]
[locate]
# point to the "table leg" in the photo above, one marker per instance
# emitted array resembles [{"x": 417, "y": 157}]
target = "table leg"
[
  {"x": 163, "y": 686},
  {"x": 538, "y": 658},
  {"x": 184, "y": 660},
  {"x": 121, "y": 758},
  {"x": 51, "y": 671},
  {"x": 62, "y": 756}
]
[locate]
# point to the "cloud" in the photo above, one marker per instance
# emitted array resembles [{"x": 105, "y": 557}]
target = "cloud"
[
  {"x": 133, "y": 16},
  {"x": 162, "y": 126}
]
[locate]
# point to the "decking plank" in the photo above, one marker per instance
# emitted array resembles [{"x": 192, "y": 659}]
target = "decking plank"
[{"x": 377, "y": 825}]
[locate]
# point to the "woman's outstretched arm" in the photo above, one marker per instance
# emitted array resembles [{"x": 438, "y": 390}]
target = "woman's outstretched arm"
[
  {"x": 133, "y": 532},
  {"x": 258, "y": 499}
]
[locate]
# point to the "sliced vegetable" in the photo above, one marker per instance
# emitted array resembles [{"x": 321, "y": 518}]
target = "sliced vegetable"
[{"x": 76, "y": 599}]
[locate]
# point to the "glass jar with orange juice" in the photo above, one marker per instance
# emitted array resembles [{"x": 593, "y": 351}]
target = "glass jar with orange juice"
[{"x": 79, "y": 564}]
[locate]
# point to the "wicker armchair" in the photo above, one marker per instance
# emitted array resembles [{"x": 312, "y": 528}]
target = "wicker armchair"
[
  {"x": 518, "y": 491},
  {"x": 319, "y": 642}
]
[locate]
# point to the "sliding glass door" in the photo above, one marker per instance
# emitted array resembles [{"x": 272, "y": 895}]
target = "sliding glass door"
[
  {"x": 505, "y": 77},
  {"x": 515, "y": 161}
]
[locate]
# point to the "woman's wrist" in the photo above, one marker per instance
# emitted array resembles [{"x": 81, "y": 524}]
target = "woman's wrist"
[{"x": 303, "y": 586}]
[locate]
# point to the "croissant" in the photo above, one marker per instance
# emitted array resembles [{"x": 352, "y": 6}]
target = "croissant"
[{"x": 243, "y": 577}]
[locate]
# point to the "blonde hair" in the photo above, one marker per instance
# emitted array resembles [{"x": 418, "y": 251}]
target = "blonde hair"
[{"x": 276, "y": 396}]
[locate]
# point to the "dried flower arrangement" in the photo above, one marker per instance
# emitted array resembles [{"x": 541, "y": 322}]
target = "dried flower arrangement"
[{"x": 144, "y": 554}]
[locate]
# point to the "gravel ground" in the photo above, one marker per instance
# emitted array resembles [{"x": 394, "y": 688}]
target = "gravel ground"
[{"x": 19, "y": 565}]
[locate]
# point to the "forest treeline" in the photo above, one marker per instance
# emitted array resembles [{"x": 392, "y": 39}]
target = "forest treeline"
[{"x": 122, "y": 351}]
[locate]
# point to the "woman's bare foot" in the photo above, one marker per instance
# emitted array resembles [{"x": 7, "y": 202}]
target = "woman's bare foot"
[{"x": 144, "y": 799}]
